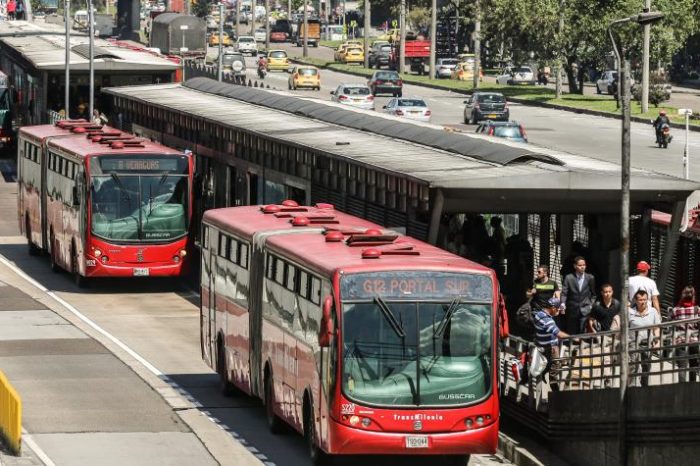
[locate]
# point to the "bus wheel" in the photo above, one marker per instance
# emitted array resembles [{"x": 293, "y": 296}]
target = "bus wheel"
[
  {"x": 80, "y": 280},
  {"x": 52, "y": 255},
  {"x": 31, "y": 247},
  {"x": 225, "y": 386},
  {"x": 456, "y": 460},
  {"x": 274, "y": 423},
  {"x": 318, "y": 456}
]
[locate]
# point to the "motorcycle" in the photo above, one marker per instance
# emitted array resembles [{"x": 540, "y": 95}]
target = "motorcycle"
[
  {"x": 262, "y": 70},
  {"x": 663, "y": 135}
]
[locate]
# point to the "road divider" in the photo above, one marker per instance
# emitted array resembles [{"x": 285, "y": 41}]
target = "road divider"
[{"x": 10, "y": 415}]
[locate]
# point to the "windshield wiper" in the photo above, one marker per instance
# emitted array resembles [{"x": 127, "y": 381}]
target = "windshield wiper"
[
  {"x": 116, "y": 179},
  {"x": 448, "y": 315},
  {"x": 398, "y": 329}
]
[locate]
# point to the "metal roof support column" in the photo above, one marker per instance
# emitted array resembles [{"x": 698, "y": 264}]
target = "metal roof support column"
[
  {"x": 644, "y": 237},
  {"x": 670, "y": 248},
  {"x": 566, "y": 235},
  {"x": 545, "y": 221},
  {"x": 523, "y": 224},
  {"x": 435, "y": 216}
]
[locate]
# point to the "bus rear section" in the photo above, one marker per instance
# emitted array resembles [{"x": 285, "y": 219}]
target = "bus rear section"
[
  {"x": 102, "y": 203},
  {"x": 362, "y": 340}
]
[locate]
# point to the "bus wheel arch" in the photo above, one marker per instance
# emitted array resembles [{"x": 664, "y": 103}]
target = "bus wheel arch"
[
  {"x": 274, "y": 423},
  {"x": 317, "y": 455}
]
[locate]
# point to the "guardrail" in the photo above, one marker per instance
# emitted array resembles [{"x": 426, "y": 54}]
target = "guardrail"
[
  {"x": 195, "y": 70},
  {"x": 10, "y": 415},
  {"x": 661, "y": 354}
]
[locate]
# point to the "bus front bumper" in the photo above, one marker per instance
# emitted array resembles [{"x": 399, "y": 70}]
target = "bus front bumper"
[
  {"x": 350, "y": 441},
  {"x": 95, "y": 268}
]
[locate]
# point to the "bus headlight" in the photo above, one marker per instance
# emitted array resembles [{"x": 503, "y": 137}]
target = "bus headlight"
[
  {"x": 469, "y": 423},
  {"x": 98, "y": 253},
  {"x": 104, "y": 259},
  {"x": 176, "y": 259},
  {"x": 366, "y": 422},
  {"x": 480, "y": 420},
  {"x": 183, "y": 253},
  {"x": 354, "y": 420}
]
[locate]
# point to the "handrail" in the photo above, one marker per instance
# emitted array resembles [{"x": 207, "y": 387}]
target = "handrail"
[
  {"x": 10, "y": 415},
  {"x": 660, "y": 354}
]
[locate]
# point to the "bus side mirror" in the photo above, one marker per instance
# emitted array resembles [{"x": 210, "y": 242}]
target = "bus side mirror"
[
  {"x": 326, "y": 331},
  {"x": 503, "y": 327}
]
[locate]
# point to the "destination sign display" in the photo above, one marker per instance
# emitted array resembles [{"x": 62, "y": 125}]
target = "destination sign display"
[
  {"x": 416, "y": 284},
  {"x": 122, "y": 164}
]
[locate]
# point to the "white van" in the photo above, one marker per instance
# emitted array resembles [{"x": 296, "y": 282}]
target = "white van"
[{"x": 80, "y": 19}]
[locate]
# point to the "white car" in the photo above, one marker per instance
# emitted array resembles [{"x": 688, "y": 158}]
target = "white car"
[
  {"x": 354, "y": 95},
  {"x": 247, "y": 44},
  {"x": 260, "y": 35},
  {"x": 603, "y": 84},
  {"x": 411, "y": 108},
  {"x": 518, "y": 75}
]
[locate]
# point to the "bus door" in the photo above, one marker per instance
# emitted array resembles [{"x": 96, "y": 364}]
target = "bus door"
[
  {"x": 257, "y": 272},
  {"x": 213, "y": 279}
]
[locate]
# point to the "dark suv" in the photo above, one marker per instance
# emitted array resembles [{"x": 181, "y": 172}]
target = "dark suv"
[
  {"x": 485, "y": 106},
  {"x": 386, "y": 82},
  {"x": 379, "y": 54}
]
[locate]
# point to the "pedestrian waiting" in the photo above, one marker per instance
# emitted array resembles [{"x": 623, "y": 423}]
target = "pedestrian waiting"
[
  {"x": 642, "y": 281},
  {"x": 642, "y": 341},
  {"x": 686, "y": 308},
  {"x": 11, "y": 10},
  {"x": 547, "y": 339},
  {"x": 577, "y": 296}
]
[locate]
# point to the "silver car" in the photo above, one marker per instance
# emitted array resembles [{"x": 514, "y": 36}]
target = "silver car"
[
  {"x": 514, "y": 76},
  {"x": 444, "y": 67},
  {"x": 354, "y": 95},
  {"x": 411, "y": 108}
]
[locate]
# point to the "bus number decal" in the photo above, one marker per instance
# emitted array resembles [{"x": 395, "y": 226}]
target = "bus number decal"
[{"x": 347, "y": 408}]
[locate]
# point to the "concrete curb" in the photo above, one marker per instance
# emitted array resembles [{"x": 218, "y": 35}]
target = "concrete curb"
[
  {"x": 525, "y": 102},
  {"x": 513, "y": 452}
]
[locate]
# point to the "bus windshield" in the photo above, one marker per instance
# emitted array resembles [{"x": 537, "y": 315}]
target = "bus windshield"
[
  {"x": 141, "y": 199},
  {"x": 421, "y": 350}
]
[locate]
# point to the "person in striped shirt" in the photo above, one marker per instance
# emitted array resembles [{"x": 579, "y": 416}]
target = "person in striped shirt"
[
  {"x": 687, "y": 308},
  {"x": 547, "y": 335}
]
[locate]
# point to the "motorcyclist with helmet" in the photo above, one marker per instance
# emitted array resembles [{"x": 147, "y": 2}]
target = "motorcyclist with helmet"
[
  {"x": 660, "y": 121},
  {"x": 262, "y": 66}
]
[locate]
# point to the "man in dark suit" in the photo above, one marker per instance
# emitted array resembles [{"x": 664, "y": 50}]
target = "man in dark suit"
[{"x": 577, "y": 297}]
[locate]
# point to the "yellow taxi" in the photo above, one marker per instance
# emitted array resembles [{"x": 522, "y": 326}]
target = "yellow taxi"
[
  {"x": 338, "y": 53},
  {"x": 277, "y": 60},
  {"x": 226, "y": 40},
  {"x": 304, "y": 76},
  {"x": 353, "y": 54}
]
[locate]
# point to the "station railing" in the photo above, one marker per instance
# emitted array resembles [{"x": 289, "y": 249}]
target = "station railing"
[
  {"x": 10, "y": 415},
  {"x": 661, "y": 354}
]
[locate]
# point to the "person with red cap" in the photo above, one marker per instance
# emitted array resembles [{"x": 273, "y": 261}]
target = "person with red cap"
[{"x": 642, "y": 281}]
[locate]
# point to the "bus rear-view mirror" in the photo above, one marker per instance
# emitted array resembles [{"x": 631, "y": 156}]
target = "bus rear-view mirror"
[{"x": 326, "y": 331}]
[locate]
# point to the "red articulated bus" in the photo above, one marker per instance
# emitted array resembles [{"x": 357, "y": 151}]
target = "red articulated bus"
[
  {"x": 103, "y": 203},
  {"x": 363, "y": 340}
]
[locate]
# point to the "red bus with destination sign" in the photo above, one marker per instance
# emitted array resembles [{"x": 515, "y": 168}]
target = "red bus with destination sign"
[
  {"x": 103, "y": 203},
  {"x": 363, "y": 340}
]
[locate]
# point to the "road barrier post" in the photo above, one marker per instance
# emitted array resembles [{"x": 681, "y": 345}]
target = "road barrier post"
[{"x": 10, "y": 415}]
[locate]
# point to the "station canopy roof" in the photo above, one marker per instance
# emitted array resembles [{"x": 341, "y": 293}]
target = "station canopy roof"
[
  {"x": 475, "y": 172},
  {"x": 43, "y": 46}
]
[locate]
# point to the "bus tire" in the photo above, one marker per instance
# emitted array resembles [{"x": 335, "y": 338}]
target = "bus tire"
[
  {"x": 455, "y": 460},
  {"x": 274, "y": 423},
  {"x": 32, "y": 249},
  {"x": 81, "y": 281},
  {"x": 225, "y": 386},
  {"x": 318, "y": 456},
  {"x": 55, "y": 268}
]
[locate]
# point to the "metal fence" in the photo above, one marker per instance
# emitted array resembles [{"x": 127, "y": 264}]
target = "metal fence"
[
  {"x": 196, "y": 70},
  {"x": 662, "y": 354}
]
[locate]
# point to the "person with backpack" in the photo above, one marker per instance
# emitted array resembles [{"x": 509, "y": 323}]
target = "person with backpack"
[{"x": 547, "y": 336}]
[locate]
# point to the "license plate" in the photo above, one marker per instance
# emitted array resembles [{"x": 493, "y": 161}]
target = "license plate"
[
  {"x": 492, "y": 115},
  {"x": 141, "y": 272},
  {"x": 417, "y": 441}
]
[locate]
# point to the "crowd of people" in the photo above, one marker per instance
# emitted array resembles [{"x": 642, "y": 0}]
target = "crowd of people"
[{"x": 578, "y": 307}]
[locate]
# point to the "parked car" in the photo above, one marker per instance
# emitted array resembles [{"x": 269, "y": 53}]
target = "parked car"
[
  {"x": 354, "y": 95},
  {"x": 518, "y": 75},
  {"x": 485, "y": 106},
  {"x": 233, "y": 63},
  {"x": 379, "y": 54},
  {"x": 411, "y": 108},
  {"x": 277, "y": 60},
  {"x": 304, "y": 76},
  {"x": 247, "y": 44},
  {"x": 444, "y": 67},
  {"x": 260, "y": 35},
  {"x": 386, "y": 82},
  {"x": 503, "y": 129}
]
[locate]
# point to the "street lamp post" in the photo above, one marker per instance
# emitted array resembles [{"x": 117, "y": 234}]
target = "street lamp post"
[
  {"x": 624, "y": 87},
  {"x": 91, "y": 47},
  {"x": 66, "y": 104},
  {"x": 220, "y": 59}
]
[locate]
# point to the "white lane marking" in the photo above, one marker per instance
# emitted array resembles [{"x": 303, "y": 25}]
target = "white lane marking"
[
  {"x": 26, "y": 438},
  {"x": 128, "y": 350}
]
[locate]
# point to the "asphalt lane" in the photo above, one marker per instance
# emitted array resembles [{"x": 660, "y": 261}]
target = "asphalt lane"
[{"x": 559, "y": 130}]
